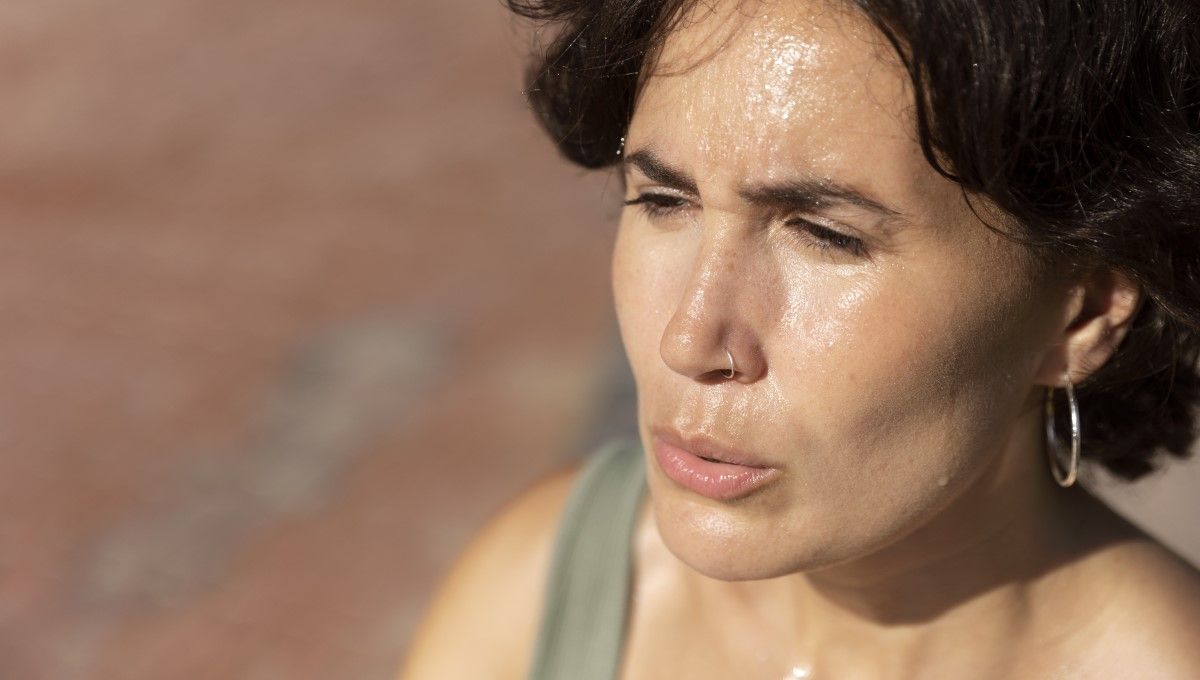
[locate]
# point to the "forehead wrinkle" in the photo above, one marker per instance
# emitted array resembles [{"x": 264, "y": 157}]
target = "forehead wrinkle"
[
  {"x": 810, "y": 192},
  {"x": 801, "y": 191}
]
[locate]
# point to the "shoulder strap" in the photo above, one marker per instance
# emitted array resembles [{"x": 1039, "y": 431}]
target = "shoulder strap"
[{"x": 583, "y": 617}]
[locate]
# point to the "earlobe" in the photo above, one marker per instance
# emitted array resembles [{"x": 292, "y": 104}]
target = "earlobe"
[{"x": 1098, "y": 311}]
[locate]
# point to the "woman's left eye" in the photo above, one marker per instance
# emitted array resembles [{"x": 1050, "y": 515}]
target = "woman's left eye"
[{"x": 824, "y": 238}]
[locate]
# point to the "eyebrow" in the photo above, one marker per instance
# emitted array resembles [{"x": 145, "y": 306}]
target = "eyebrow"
[{"x": 794, "y": 194}]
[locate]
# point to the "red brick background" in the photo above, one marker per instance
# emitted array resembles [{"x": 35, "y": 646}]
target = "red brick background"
[{"x": 294, "y": 295}]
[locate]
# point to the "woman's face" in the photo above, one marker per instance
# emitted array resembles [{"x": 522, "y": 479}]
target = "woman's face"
[{"x": 885, "y": 339}]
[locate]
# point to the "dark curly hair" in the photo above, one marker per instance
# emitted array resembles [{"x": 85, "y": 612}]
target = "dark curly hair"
[{"x": 1079, "y": 119}]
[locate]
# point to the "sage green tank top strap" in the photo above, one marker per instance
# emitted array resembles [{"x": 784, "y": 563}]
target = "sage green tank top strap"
[{"x": 587, "y": 593}]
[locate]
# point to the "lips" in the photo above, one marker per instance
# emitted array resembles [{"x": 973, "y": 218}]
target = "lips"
[
  {"x": 709, "y": 469},
  {"x": 708, "y": 448}
]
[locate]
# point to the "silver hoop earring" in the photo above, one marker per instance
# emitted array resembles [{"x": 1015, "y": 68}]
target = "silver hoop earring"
[
  {"x": 732, "y": 370},
  {"x": 1066, "y": 478}
]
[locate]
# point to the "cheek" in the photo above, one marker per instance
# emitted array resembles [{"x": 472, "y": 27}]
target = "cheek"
[
  {"x": 825, "y": 321},
  {"x": 914, "y": 391},
  {"x": 647, "y": 280},
  {"x": 629, "y": 286},
  {"x": 896, "y": 398}
]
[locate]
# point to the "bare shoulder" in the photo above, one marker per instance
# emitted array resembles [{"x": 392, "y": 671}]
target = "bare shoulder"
[
  {"x": 1154, "y": 623},
  {"x": 483, "y": 619}
]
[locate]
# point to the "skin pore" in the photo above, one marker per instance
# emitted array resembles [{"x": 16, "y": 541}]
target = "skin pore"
[{"x": 892, "y": 354}]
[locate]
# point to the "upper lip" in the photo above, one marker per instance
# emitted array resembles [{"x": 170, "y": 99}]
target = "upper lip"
[{"x": 706, "y": 446}]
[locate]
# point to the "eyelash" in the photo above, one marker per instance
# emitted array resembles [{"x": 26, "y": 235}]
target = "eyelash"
[{"x": 659, "y": 205}]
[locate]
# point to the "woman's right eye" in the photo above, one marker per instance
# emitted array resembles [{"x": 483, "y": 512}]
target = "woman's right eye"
[{"x": 657, "y": 205}]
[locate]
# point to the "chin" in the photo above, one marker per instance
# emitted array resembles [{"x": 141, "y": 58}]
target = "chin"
[{"x": 726, "y": 545}]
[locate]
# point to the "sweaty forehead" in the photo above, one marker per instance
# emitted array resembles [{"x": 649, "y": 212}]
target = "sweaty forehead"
[{"x": 754, "y": 86}]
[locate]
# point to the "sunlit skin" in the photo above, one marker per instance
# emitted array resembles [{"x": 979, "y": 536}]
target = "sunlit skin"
[{"x": 892, "y": 354}]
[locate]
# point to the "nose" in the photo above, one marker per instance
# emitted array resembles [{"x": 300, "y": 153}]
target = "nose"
[{"x": 709, "y": 326}]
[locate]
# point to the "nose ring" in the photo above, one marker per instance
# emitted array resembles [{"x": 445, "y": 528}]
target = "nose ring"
[{"x": 729, "y": 373}]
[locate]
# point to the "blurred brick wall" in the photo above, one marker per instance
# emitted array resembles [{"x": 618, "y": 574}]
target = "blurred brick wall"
[{"x": 294, "y": 294}]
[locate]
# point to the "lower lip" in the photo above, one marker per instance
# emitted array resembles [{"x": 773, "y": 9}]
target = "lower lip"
[{"x": 719, "y": 481}]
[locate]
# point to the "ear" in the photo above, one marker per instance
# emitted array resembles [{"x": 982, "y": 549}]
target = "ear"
[{"x": 1097, "y": 312}]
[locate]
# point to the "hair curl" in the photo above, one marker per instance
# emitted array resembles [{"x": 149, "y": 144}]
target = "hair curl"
[{"x": 1079, "y": 119}]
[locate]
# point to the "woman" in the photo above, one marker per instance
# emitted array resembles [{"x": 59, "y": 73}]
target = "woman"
[{"x": 886, "y": 270}]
